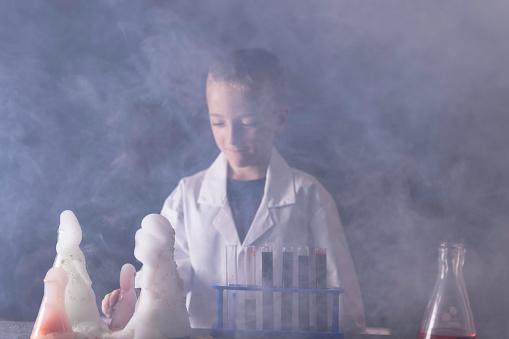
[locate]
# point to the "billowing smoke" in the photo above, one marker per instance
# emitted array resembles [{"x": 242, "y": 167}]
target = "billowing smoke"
[{"x": 399, "y": 109}]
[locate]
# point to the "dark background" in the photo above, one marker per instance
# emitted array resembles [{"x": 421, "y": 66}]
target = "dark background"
[{"x": 399, "y": 108}]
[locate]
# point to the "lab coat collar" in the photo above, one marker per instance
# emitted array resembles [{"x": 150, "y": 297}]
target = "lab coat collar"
[
  {"x": 279, "y": 191},
  {"x": 279, "y": 187},
  {"x": 213, "y": 188}
]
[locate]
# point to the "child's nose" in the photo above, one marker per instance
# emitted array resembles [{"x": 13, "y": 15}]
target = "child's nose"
[{"x": 235, "y": 134}]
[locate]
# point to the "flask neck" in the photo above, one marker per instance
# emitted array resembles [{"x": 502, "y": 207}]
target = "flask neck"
[{"x": 450, "y": 261}]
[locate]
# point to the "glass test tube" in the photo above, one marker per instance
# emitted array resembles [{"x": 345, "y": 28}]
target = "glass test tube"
[
  {"x": 231, "y": 279},
  {"x": 231, "y": 265},
  {"x": 303, "y": 274},
  {"x": 267, "y": 281},
  {"x": 286, "y": 297},
  {"x": 321, "y": 283},
  {"x": 250, "y": 266},
  {"x": 250, "y": 280}
]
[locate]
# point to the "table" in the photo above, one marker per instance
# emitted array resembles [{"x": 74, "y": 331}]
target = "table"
[{"x": 22, "y": 330}]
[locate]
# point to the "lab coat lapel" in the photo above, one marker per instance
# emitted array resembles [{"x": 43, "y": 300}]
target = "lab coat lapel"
[
  {"x": 262, "y": 222},
  {"x": 279, "y": 191},
  {"x": 213, "y": 192},
  {"x": 225, "y": 225}
]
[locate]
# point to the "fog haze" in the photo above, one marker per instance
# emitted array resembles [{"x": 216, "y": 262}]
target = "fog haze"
[{"x": 399, "y": 109}]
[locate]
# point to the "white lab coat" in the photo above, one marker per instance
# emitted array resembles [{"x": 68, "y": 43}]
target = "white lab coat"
[{"x": 295, "y": 210}]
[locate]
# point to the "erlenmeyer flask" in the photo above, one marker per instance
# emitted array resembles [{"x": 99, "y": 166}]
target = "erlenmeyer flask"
[{"x": 448, "y": 314}]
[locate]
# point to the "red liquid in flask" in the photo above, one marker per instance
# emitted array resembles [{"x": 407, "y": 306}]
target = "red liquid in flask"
[{"x": 423, "y": 335}]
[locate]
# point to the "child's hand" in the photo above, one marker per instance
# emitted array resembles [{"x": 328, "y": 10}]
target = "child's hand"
[{"x": 109, "y": 302}]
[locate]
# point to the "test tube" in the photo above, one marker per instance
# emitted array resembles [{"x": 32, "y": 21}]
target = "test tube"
[
  {"x": 231, "y": 279},
  {"x": 321, "y": 283},
  {"x": 250, "y": 280},
  {"x": 303, "y": 273},
  {"x": 286, "y": 297},
  {"x": 231, "y": 265},
  {"x": 267, "y": 281}
]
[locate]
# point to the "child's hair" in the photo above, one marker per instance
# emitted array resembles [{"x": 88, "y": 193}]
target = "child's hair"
[{"x": 251, "y": 69}]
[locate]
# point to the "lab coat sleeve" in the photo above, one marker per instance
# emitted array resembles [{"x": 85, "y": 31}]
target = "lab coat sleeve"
[
  {"x": 327, "y": 232},
  {"x": 173, "y": 210}
]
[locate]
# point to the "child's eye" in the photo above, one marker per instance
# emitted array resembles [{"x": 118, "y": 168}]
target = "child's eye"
[
  {"x": 250, "y": 123},
  {"x": 217, "y": 123}
]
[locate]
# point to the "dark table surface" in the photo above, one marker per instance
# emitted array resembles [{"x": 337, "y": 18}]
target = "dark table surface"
[{"x": 22, "y": 330}]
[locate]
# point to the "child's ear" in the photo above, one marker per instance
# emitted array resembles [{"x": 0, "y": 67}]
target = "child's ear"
[{"x": 282, "y": 117}]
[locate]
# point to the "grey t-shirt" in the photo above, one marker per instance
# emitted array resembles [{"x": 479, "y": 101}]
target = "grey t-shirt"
[{"x": 244, "y": 198}]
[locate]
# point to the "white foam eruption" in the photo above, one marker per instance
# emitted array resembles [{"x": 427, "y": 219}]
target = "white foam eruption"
[
  {"x": 160, "y": 311},
  {"x": 80, "y": 301}
]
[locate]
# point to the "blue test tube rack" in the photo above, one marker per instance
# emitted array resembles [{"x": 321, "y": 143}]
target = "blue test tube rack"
[{"x": 218, "y": 330}]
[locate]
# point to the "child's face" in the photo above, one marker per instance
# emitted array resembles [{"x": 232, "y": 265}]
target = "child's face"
[{"x": 244, "y": 128}]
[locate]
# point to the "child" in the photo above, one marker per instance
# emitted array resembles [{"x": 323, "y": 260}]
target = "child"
[{"x": 249, "y": 196}]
